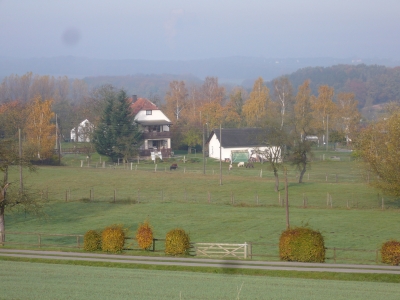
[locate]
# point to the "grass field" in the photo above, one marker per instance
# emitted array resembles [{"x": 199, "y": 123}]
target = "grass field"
[
  {"x": 243, "y": 209},
  {"x": 23, "y": 280}
]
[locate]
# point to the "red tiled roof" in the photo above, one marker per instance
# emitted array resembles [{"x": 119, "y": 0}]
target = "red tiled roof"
[{"x": 142, "y": 104}]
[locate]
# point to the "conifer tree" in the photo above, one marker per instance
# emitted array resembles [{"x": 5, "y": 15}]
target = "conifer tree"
[{"x": 116, "y": 135}]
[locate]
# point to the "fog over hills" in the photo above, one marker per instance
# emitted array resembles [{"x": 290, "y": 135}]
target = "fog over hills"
[{"x": 231, "y": 70}]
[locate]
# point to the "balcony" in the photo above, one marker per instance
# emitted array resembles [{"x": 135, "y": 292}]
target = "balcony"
[{"x": 156, "y": 135}]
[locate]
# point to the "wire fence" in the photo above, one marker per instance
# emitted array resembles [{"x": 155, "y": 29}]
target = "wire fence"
[{"x": 257, "y": 251}]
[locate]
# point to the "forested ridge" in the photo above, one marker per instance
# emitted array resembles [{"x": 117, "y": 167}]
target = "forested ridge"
[{"x": 371, "y": 84}]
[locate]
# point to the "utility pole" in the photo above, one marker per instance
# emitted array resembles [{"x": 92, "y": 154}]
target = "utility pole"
[
  {"x": 220, "y": 155},
  {"x": 204, "y": 152},
  {"x": 327, "y": 132},
  {"x": 21, "y": 185}
]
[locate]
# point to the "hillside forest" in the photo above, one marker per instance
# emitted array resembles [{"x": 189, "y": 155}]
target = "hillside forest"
[{"x": 344, "y": 96}]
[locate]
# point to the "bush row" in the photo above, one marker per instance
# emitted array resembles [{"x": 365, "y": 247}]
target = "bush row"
[
  {"x": 300, "y": 244},
  {"x": 112, "y": 239}
]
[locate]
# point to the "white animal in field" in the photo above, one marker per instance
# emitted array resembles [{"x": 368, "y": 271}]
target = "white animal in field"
[
  {"x": 230, "y": 167},
  {"x": 241, "y": 164}
]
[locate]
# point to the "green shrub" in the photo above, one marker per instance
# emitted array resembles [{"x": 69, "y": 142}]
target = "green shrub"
[
  {"x": 302, "y": 244},
  {"x": 144, "y": 235},
  {"x": 113, "y": 239},
  {"x": 390, "y": 252},
  {"x": 92, "y": 241},
  {"x": 177, "y": 242}
]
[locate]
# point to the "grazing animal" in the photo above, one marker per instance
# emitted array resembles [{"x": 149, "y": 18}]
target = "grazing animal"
[
  {"x": 241, "y": 164},
  {"x": 249, "y": 165},
  {"x": 230, "y": 167},
  {"x": 173, "y": 167}
]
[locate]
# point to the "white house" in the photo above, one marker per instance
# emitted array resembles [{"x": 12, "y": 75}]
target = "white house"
[
  {"x": 240, "y": 144},
  {"x": 155, "y": 125},
  {"x": 85, "y": 129}
]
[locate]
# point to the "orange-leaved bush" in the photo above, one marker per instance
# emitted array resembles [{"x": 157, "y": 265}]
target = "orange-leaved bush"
[
  {"x": 113, "y": 238},
  {"x": 302, "y": 244},
  {"x": 144, "y": 235},
  {"x": 390, "y": 252},
  {"x": 177, "y": 242}
]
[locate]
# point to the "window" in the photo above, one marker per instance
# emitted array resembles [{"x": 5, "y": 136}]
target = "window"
[{"x": 148, "y": 112}]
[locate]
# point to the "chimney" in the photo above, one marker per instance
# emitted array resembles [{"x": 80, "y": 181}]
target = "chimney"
[{"x": 134, "y": 98}]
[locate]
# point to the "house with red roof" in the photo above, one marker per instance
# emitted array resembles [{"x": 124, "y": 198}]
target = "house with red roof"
[{"x": 155, "y": 126}]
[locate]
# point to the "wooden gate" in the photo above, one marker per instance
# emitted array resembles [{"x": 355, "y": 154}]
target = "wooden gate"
[{"x": 222, "y": 250}]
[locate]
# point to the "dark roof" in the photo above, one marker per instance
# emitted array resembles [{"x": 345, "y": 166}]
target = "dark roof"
[{"x": 241, "y": 137}]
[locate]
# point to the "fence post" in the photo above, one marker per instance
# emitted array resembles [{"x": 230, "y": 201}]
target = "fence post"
[
  {"x": 154, "y": 245},
  {"x": 77, "y": 241},
  {"x": 138, "y": 196},
  {"x": 251, "y": 250},
  {"x": 334, "y": 254},
  {"x": 40, "y": 240},
  {"x": 377, "y": 255}
]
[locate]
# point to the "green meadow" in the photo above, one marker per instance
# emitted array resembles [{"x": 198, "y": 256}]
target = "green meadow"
[
  {"x": 335, "y": 199},
  {"x": 25, "y": 280}
]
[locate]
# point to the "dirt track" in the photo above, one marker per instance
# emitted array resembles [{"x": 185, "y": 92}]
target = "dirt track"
[{"x": 198, "y": 262}]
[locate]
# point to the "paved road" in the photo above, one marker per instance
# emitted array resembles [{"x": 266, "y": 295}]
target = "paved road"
[{"x": 199, "y": 262}]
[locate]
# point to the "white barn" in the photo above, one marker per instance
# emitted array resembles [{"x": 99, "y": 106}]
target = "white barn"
[{"x": 240, "y": 144}]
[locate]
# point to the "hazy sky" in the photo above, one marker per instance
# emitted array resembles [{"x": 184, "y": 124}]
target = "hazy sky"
[{"x": 188, "y": 29}]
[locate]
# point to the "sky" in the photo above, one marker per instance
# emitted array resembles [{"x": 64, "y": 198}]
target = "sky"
[{"x": 186, "y": 29}]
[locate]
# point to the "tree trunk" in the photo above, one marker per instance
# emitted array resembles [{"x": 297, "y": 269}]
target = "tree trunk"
[
  {"x": 303, "y": 171},
  {"x": 276, "y": 181},
  {"x": 2, "y": 226}
]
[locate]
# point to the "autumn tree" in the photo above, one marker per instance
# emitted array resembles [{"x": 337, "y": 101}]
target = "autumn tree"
[
  {"x": 324, "y": 109},
  {"x": 12, "y": 117},
  {"x": 379, "y": 146},
  {"x": 211, "y": 91},
  {"x": 302, "y": 126},
  {"x": 255, "y": 109},
  {"x": 39, "y": 130},
  {"x": 348, "y": 116},
  {"x": 283, "y": 92},
  {"x": 11, "y": 194},
  {"x": 233, "y": 108},
  {"x": 176, "y": 99}
]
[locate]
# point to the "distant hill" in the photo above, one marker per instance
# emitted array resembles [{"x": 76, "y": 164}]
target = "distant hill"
[
  {"x": 151, "y": 86},
  {"x": 233, "y": 70},
  {"x": 372, "y": 84}
]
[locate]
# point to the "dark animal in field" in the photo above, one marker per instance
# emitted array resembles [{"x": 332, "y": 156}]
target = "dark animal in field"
[
  {"x": 249, "y": 165},
  {"x": 173, "y": 167}
]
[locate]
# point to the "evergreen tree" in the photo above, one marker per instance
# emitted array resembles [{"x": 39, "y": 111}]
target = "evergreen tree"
[{"x": 116, "y": 135}]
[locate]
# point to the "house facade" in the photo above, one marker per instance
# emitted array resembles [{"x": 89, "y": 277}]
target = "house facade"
[
  {"x": 240, "y": 144},
  {"x": 83, "y": 132},
  {"x": 155, "y": 126}
]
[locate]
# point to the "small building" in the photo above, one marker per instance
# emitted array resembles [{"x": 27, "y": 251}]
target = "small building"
[
  {"x": 155, "y": 126},
  {"x": 85, "y": 130},
  {"x": 240, "y": 144}
]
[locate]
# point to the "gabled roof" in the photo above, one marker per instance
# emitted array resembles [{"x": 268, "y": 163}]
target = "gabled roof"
[
  {"x": 142, "y": 104},
  {"x": 241, "y": 137}
]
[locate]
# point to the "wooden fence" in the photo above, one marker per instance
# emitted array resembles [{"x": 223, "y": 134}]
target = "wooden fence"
[{"x": 247, "y": 250}]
